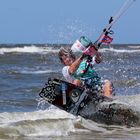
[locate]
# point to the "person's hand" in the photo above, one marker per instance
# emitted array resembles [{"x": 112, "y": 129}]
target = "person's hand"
[
  {"x": 90, "y": 51},
  {"x": 98, "y": 57},
  {"x": 77, "y": 82}
]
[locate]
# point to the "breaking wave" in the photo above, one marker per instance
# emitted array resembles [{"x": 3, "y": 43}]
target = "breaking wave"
[
  {"x": 53, "y": 122},
  {"x": 28, "y": 49},
  {"x": 48, "y": 49},
  {"x": 120, "y": 50}
]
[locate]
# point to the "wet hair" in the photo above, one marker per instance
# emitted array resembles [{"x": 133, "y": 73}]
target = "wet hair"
[{"x": 65, "y": 52}]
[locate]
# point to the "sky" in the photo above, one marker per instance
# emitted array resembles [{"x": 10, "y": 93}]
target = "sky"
[{"x": 64, "y": 21}]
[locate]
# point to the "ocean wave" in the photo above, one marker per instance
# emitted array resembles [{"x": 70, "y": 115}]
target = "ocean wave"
[
  {"x": 28, "y": 49},
  {"x": 50, "y": 49},
  {"x": 38, "y": 71},
  {"x": 131, "y": 100},
  {"x": 134, "y": 47},
  {"x": 120, "y": 50},
  {"x": 27, "y": 70},
  {"x": 52, "y": 122},
  {"x": 33, "y": 71}
]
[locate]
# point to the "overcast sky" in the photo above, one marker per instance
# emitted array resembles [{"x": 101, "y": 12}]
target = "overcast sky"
[{"x": 63, "y": 21}]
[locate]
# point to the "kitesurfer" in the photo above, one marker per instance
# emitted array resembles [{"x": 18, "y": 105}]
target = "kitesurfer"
[{"x": 74, "y": 72}]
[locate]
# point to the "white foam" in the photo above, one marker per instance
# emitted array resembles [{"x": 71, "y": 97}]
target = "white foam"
[
  {"x": 132, "y": 100},
  {"x": 35, "y": 70},
  {"x": 120, "y": 50},
  {"x": 28, "y": 49},
  {"x": 38, "y": 71},
  {"x": 47, "y": 49},
  {"x": 53, "y": 113},
  {"x": 51, "y": 122},
  {"x": 134, "y": 47}
]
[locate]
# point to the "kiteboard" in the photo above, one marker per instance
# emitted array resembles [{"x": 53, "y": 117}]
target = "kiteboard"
[{"x": 77, "y": 101}]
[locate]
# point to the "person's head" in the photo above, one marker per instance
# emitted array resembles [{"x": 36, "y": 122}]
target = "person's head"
[{"x": 66, "y": 56}]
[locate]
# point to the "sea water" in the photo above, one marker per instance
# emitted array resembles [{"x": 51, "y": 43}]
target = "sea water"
[{"x": 24, "y": 69}]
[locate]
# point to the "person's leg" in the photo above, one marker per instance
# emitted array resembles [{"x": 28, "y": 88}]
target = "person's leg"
[{"x": 108, "y": 88}]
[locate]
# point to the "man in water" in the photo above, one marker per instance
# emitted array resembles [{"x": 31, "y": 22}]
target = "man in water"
[{"x": 76, "y": 73}]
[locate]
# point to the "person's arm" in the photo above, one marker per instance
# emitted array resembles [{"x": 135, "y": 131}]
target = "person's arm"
[
  {"x": 98, "y": 57},
  {"x": 69, "y": 78},
  {"x": 74, "y": 66},
  {"x": 93, "y": 52}
]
